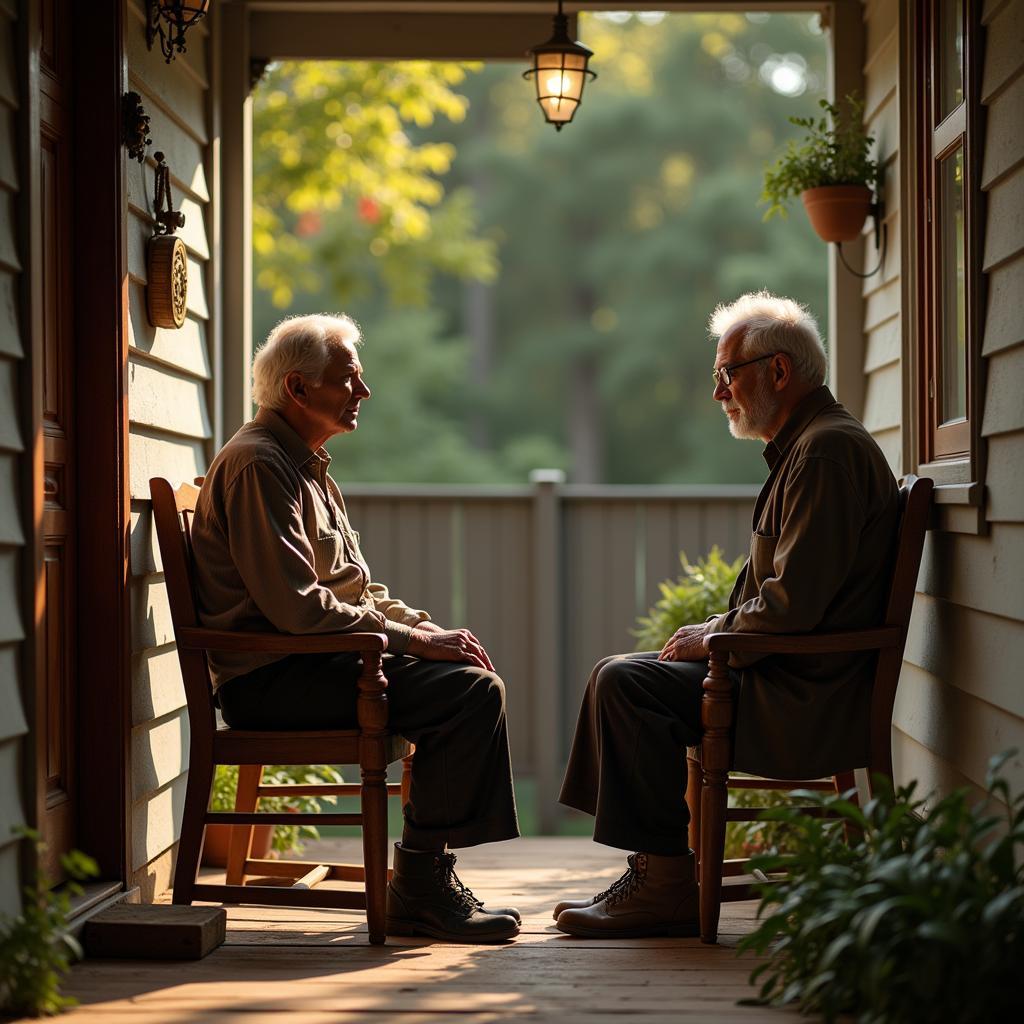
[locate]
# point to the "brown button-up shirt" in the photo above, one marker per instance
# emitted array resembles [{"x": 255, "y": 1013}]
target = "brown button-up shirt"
[
  {"x": 274, "y": 550},
  {"x": 821, "y": 553}
]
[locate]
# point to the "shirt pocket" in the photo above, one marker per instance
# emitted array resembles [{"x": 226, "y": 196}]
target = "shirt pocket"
[
  {"x": 762, "y": 557},
  {"x": 328, "y": 555}
]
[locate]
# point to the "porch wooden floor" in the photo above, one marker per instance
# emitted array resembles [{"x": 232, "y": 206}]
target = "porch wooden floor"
[{"x": 313, "y": 966}]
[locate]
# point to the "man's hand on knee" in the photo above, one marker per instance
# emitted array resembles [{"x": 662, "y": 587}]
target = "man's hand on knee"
[
  {"x": 449, "y": 645},
  {"x": 686, "y": 644}
]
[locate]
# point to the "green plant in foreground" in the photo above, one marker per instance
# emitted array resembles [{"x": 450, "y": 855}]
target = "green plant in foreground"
[
  {"x": 286, "y": 837},
  {"x": 36, "y": 947},
  {"x": 919, "y": 919},
  {"x": 836, "y": 153},
  {"x": 703, "y": 590}
]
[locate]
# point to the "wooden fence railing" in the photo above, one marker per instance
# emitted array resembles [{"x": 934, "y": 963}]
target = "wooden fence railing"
[{"x": 550, "y": 577}]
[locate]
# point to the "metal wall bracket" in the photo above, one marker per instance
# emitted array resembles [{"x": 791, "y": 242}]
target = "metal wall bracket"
[{"x": 134, "y": 126}]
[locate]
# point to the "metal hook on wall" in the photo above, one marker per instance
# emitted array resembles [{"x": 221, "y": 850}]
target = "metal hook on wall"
[{"x": 877, "y": 211}]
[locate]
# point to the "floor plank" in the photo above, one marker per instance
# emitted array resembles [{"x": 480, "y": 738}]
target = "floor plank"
[{"x": 307, "y": 965}]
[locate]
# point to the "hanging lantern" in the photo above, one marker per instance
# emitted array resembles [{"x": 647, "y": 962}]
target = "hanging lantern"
[
  {"x": 559, "y": 72},
  {"x": 169, "y": 20}
]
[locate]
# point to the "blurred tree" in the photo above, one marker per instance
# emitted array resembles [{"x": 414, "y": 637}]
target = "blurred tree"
[
  {"x": 617, "y": 237},
  {"x": 621, "y": 233},
  {"x": 343, "y": 195}
]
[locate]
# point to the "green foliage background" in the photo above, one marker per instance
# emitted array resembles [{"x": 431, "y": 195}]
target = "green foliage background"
[{"x": 532, "y": 298}]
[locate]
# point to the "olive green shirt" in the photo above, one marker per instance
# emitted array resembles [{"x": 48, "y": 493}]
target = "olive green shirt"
[
  {"x": 821, "y": 556},
  {"x": 274, "y": 550}
]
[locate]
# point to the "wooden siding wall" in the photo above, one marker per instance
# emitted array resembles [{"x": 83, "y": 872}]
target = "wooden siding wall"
[
  {"x": 12, "y": 455},
  {"x": 882, "y": 313},
  {"x": 960, "y": 697},
  {"x": 169, "y": 374}
]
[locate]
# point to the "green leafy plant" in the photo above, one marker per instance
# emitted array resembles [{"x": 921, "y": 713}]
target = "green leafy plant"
[
  {"x": 835, "y": 151},
  {"x": 919, "y": 918},
  {"x": 37, "y": 947},
  {"x": 286, "y": 837},
  {"x": 753, "y": 838},
  {"x": 703, "y": 590}
]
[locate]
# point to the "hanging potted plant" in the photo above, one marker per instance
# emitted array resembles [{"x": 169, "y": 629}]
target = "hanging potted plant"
[{"x": 831, "y": 170}]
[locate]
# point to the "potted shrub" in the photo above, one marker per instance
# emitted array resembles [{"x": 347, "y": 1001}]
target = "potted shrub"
[
  {"x": 831, "y": 170},
  {"x": 280, "y": 838}
]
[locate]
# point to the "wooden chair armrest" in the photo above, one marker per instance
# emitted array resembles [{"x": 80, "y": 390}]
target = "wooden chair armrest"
[
  {"x": 804, "y": 643},
  {"x": 197, "y": 638}
]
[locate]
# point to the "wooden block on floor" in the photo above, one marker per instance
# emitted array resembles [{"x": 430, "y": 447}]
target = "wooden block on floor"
[{"x": 155, "y": 932}]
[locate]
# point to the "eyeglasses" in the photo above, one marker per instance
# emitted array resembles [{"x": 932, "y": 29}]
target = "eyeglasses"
[{"x": 723, "y": 375}]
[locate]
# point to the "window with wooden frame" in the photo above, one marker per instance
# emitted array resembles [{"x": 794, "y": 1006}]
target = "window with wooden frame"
[{"x": 948, "y": 218}]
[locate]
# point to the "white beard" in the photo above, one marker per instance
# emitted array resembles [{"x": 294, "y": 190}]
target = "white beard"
[{"x": 752, "y": 424}]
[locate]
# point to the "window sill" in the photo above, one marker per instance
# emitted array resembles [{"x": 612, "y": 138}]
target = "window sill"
[
  {"x": 947, "y": 473},
  {"x": 959, "y": 508}
]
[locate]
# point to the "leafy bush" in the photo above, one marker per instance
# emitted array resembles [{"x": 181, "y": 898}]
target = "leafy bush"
[
  {"x": 920, "y": 918},
  {"x": 703, "y": 590},
  {"x": 753, "y": 838},
  {"x": 286, "y": 837},
  {"x": 36, "y": 947},
  {"x": 830, "y": 154}
]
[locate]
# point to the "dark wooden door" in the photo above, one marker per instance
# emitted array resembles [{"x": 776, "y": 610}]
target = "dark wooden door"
[{"x": 56, "y": 704}]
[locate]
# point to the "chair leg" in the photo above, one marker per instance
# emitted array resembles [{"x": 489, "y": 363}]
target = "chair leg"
[
  {"x": 694, "y": 781},
  {"x": 190, "y": 843},
  {"x": 240, "y": 845},
  {"x": 406, "y": 780},
  {"x": 374, "y": 799},
  {"x": 715, "y": 757},
  {"x": 372, "y": 712}
]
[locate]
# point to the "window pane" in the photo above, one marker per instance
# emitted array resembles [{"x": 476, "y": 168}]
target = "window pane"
[
  {"x": 951, "y": 56},
  {"x": 952, "y": 279}
]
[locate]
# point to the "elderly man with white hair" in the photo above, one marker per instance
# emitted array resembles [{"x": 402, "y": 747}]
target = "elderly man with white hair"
[
  {"x": 274, "y": 551},
  {"x": 824, "y": 528}
]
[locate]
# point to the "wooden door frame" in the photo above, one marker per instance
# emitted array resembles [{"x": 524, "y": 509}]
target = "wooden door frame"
[{"x": 103, "y": 723}]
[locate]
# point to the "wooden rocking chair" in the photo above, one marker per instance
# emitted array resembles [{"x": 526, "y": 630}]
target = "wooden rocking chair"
[
  {"x": 709, "y": 764},
  {"x": 371, "y": 746}
]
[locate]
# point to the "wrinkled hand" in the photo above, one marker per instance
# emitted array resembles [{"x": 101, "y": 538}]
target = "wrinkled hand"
[
  {"x": 448, "y": 645},
  {"x": 686, "y": 644}
]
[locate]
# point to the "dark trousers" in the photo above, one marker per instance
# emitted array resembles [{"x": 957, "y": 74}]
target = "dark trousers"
[
  {"x": 454, "y": 713},
  {"x": 627, "y": 766}
]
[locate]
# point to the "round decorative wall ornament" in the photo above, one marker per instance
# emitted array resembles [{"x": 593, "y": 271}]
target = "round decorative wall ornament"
[
  {"x": 166, "y": 264},
  {"x": 167, "y": 277}
]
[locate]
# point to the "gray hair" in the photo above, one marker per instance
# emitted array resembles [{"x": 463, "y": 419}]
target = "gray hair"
[
  {"x": 299, "y": 344},
  {"x": 775, "y": 324}
]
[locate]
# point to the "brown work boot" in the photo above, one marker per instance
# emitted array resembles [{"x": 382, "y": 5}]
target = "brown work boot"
[
  {"x": 426, "y": 897},
  {"x": 657, "y": 896},
  {"x": 623, "y": 879}
]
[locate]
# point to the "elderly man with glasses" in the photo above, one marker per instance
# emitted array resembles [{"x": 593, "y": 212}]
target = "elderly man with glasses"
[{"x": 824, "y": 528}]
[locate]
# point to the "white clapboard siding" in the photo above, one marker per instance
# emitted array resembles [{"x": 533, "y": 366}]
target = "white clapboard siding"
[
  {"x": 159, "y": 748},
  {"x": 1004, "y": 326},
  {"x": 883, "y": 364},
  {"x": 184, "y": 349},
  {"x": 169, "y": 374},
  {"x": 13, "y": 724},
  {"x": 960, "y": 728},
  {"x": 161, "y": 399},
  {"x": 963, "y": 658}
]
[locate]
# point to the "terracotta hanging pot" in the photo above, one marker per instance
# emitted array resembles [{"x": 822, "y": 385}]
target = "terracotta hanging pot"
[
  {"x": 837, "y": 212},
  {"x": 218, "y": 839}
]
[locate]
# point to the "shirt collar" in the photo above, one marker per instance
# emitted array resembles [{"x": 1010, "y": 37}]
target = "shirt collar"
[
  {"x": 294, "y": 447},
  {"x": 799, "y": 419}
]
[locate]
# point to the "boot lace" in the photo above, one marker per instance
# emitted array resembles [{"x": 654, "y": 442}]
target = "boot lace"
[
  {"x": 629, "y": 883},
  {"x": 460, "y": 894}
]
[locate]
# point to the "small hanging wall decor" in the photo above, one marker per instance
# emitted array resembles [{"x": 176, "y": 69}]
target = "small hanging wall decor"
[{"x": 167, "y": 270}]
